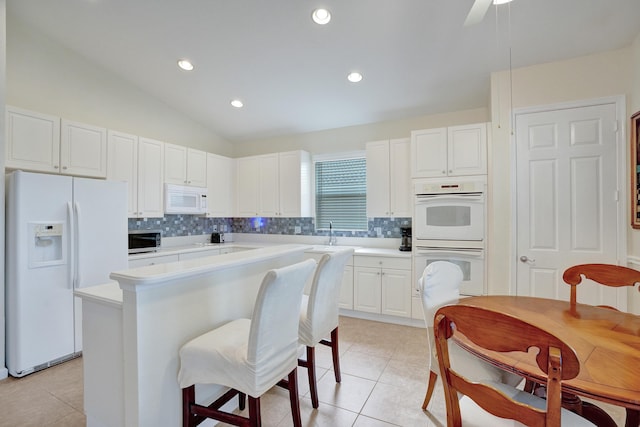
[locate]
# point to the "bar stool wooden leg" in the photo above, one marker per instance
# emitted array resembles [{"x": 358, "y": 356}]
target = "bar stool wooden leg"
[
  {"x": 335, "y": 353},
  {"x": 293, "y": 397},
  {"x": 311, "y": 373},
  {"x": 188, "y": 397},
  {"x": 254, "y": 412}
]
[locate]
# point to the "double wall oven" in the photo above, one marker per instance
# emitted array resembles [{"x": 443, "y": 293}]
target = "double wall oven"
[{"x": 449, "y": 225}]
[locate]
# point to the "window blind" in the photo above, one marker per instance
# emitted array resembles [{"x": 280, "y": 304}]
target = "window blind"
[{"x": 341, "y": 194}]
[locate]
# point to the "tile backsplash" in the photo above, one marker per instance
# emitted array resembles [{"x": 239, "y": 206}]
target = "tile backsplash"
[{"x": 192, "y": 225}]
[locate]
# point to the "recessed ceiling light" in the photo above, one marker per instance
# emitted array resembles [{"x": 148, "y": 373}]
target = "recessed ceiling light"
[
  {"x": 354, "y": 77},
  {"x": 185, "y": 64},
  {"x": 237, "y": 103},
  {"x": 501, "y": 1},
  {"x": 321, "y": 16}
]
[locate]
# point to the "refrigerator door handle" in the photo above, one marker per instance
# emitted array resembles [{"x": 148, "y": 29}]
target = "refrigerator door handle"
[
  {"x": 76, "y": 275},
  {"x": 72, "y": 255}
]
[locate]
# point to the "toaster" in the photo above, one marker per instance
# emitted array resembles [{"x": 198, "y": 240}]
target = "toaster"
[{"x": 217, "y": 237}]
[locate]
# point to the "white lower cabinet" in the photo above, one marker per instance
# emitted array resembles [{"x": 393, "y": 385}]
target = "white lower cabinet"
[
  {"x": 346, "y": 291},
  {"x": 382, "y": 285},
  {"x": 198, "y": 254},
  {"x": 160, "y": 259}
]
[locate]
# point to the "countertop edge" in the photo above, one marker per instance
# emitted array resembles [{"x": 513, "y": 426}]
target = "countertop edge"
[{"x": 159, "y": 274}]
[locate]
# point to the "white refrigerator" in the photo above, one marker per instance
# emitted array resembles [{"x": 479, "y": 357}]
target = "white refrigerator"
[{"x": 62, "y": 233}]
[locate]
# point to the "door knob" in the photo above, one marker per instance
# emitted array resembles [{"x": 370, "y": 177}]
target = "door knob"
[{"x": 526, "y": 259}]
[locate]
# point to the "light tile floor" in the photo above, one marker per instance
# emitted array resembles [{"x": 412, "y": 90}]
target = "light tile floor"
[{"x": 384, "y": 375}]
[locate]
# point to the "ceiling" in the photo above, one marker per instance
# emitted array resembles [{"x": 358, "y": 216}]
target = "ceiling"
[{"x": 416, "y": 56}]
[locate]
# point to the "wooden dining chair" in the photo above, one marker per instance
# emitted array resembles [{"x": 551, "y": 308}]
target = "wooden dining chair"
[
  {"x": 607, "y": 275},
  {"x": 440, "y": 285},
  {"x": 604, "y": 274},
  {"x": 496, "y": 404}
]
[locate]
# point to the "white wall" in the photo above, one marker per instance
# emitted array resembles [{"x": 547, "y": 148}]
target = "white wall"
[
  {"x": 594, "y": 76},
  {"x": 47, "y": 77},
  {"x": 3, "y": 369},
  {"x": 355, "y": 137}
]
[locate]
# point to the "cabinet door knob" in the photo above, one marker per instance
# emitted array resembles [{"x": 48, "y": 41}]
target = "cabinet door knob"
[
  {"x": 444, "y": 172},
  {"x": 55, "y": 166},
  {"x": 450, "y": 171},
  {"x": 64, "y": 168}
]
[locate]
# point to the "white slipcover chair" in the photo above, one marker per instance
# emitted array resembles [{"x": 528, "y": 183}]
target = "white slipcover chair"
[
  {"x": 438, "y": 286},
  {"x": 249, "y": 355},
  {"x": 319, "y": 314}
]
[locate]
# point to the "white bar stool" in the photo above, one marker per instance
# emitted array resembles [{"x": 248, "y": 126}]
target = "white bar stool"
[
  {"x": 248, "y": 355},
  {"x": 319, "y": 314}
]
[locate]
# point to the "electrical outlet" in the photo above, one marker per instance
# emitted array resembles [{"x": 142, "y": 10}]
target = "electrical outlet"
[
  {"x": 215, "y": 227},
  {"x": 378, "y": 231},
  {"x": 224, "y": 228},
  {"x": 298, "y": 229}
]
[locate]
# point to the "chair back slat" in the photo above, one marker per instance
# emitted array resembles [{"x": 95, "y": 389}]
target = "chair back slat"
[
  {"x": 604, "y": 274},
  {"x": 501, "y": 332}
]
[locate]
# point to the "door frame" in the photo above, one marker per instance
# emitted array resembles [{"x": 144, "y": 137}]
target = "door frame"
[{"x": 622, "y": 160}]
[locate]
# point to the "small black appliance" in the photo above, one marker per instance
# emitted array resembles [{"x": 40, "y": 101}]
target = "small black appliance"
[
  {"x": 405, "y": 243},
  {"x": 217, "y": 237}
]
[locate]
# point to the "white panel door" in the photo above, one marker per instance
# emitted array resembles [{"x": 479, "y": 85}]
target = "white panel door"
[
  {"x": 248, "y": 178},
  {"x": 396, "y": 292},
  {"x": 400, "y": 196},
  {"x": 220, "y": 185},
  {"x": 196, "y": 168},
  {"x": 429, "y": 153},
  {"x": 83, "y": 149},
  {"x": 567, "y": 209},
  {"x": 269, "y": 184},
  {"x": 175, "y": 164},
  {"x": 467, "y": 150},
  {"x": 150, "y": 178},
  {"x": 122, "y": 165},
  {"x": 367, "y": 289},
  {"x": 290, "y": 184},
  {"x": 378, "y": 179},
  {"x": 33, "y": 141}
]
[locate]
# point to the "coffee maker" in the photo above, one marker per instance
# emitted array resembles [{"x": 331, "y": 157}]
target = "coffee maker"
[{"x": 405, "y": 244}]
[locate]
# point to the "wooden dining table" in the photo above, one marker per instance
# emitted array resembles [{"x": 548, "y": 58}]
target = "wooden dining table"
[{"x": 606, "y": 341}]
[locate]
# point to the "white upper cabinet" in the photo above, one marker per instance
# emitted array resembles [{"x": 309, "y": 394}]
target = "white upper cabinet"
[
  {"x": 388, "y": 178},
  {"x": 83, "y": 149},
  {"x": 123, "y": 165},
  {"x": 453, "y": 151},
  {"x": 220, "y": 186},
  {"x": 274, "y": 185},
  {"x": 294, "y": 183},
  {"x": 139, "y": 162},
  {"x": 185, "y": 166},
  {"x": 38, "y": 142},
  {"x": 248, "y": 175},
  {"x": 150, "y": 176}
]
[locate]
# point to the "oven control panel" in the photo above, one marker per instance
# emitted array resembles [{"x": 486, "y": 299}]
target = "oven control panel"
[{"x": 450, "y": 187}]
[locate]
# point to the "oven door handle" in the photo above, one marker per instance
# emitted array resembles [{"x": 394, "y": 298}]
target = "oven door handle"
[
  {"x": 472, "y": 253},
  {"x": 424, "y": 198}
]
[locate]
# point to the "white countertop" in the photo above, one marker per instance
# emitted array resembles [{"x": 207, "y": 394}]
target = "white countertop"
[
  {"x": 159, "y": 274},
  {"x": 194, "y": 247},
  {"x": 198, "y": 247}
]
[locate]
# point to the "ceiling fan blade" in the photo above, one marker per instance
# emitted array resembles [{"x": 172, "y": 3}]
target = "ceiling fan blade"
[{"x": 477, "y": 12}]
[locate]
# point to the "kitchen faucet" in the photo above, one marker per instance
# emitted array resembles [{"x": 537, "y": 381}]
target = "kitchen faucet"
[{"x": 332, "y": 239}]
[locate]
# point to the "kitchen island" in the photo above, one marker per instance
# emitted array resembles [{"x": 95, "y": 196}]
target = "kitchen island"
[{"x": 134, "y": 327}]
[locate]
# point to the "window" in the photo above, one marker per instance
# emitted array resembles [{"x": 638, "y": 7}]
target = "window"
[{"x": 341, "y": 193}]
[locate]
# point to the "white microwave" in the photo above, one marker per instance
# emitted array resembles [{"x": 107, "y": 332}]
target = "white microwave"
[{"x": 182, "y": 199}]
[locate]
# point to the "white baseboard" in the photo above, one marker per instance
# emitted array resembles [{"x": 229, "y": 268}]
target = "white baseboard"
[{"x": 4, "y": 373}]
